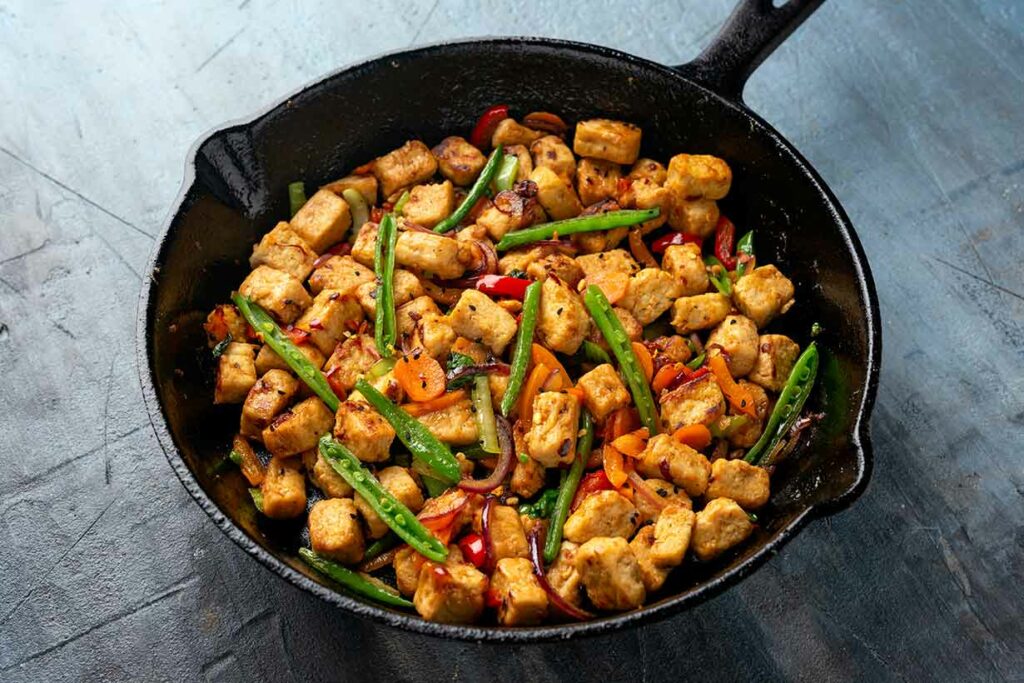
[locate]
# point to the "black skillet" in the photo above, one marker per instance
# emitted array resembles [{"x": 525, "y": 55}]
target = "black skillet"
[{"x": 235, "y": 190}]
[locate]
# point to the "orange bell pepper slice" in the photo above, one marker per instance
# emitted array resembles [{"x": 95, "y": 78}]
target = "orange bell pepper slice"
[
  {"x": 615, "y": 466},
  {"x": 252, "y": 468},
  {"x": 697, "y": 437},
  {"x": 643, "y": 356},
  {"x": 534, "y": 382},
  {"x": 739, "y": 398},
  {"x": 633, "y": 443},
  {"x": 433, "y": 405},
  {"x": 538, "y": 354},
  {"x": 665, "y": 376},
  {"x": 613, "y": 285}
]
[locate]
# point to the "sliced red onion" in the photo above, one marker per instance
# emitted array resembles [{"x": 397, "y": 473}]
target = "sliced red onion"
[
  {"x": 379, "y": 562},
  {"x": 641, "y": 487},
  {"x": 488, "y": 265},
  {"x": 567, "y": 608},
  {"x": 698, "y": 345},
  {"x": 504, "y": 466},
  {"x": 494, "y": 368},
  {"x": 485, "y": 531},
  {"x": 450, "y": 512}
]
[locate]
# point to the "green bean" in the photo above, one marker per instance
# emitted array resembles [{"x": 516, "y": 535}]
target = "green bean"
[
  {"x": 296, "y": 196},
  {"x": 475, "y": 192},
  {"x": 744, "y": 247},
  {"x": 381, "y": 546},
  {"x": 521, "y": 352},
  {"x": 414, "y": 434},
  {"x": 385, "y": 329},
  {"x": 357, "y": 206},
  {"x": 434, "y": 486},
  {"x": 571, "y": 226},
  {"x": 718, "y": 275},
  {"x": 611, "y": 328},
  {"x": 791, "y": 401},
  {"x": 567, "y": 491},
  {"x": 594, "y": 353},
  {"x": 697, "y": 362},
  {"x": 505, "y": 178},
  {"x": 401, "y": 520},
  {"x": 280, "y": 344},
  {"x": 486, "y": 424},
  {"x": 354, "y": 581}
]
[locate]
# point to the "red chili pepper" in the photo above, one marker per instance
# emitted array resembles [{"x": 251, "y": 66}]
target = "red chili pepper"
[
  {"x": 376, "y": 214},
  {"x": 485, "y": 125},
  {"x": 503, "y": 285},
  {"x": 473, "y": 549},
  {"x": 492, "y": 599},
  {"x": 297, "y": 334},
  {"x": 673, "y": 238},
  {"x": 592, "y": 483},
  {"x": 725, "y": 242}
]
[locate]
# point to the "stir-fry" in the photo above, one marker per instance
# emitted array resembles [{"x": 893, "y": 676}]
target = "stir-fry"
[{"x": 506, "y": 380}]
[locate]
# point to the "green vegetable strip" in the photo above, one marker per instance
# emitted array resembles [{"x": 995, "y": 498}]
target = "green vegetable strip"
[
  {"x": 571, "y": 226},
  {"x": 417, "y": 438},
  {"x": 594, "y": 353},
  {"x": 381, "y": 546},
  {"x": 357, "y": 207},
  {"x": 791, "y": 401},
  {"x": 401, "y": 520},
  {"x": 351, "y": 580},
  {"x": 543, "y": 506},
  {"x": 296, "y": 196},
  {"x": 280, "y": 344},
  {"x": 475, "y": 192},
  {"x": 257, "y": 498},
  {"x": 720, "y": 279},
  {"x": 744, "y": 246},
  {"x": 485, "y": 422},
  {"x": 608, "y": 323},
  {"x": 521, "y": 353},
  {"x": 505, "y": 178},
  {"x": 385, "y": 329},
  {"x": 568, "y": 489},
  {"x": 400, "y": 204},
  {"x": 697, "y": 362}
]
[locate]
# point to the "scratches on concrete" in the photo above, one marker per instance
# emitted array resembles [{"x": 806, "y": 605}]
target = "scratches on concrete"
[
  {"x": 979, "y": 278},
  {"x": 224, "y": 46}
]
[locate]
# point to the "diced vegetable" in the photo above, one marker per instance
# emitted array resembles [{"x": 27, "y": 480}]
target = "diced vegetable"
[
  {"x": 502, "y": 285},
  {"x": 420, "y": 376},
  {"x": 739, "y": 398},
  {"x": 725, "y": 236},
  {"x": 357, "y": 206},
  {"x": 505, "y": 178},
  {"x": 594, "y": 353},
  {"x": 718, "y": 275},
  {"x": 484, "y": 412},
  {"x": 542, "y": 507},
  {"x": 660, "y": 245},
  {"x": 745, "y": 254}
]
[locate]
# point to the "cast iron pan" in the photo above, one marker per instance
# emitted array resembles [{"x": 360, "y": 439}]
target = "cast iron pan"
[{"x": 235, "y": 190}]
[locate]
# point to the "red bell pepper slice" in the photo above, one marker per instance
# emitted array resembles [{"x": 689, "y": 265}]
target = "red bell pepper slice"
[
  {"x": 503, "y": 285},
  {"x": 592, "y": 483},
  {"x": 485, "y": 125},
  {"x": 673, "y": 238},
  {"x": 725, "y": 242},
  {"x": 473, "y": 549}
]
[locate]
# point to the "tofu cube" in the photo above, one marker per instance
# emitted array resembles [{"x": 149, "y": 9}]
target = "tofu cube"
[
  {"x": 685, "y": 264},
  {"x": 699, "y": 312},
  {"x": 509, "y": 132},
  {"x": 672, "y": 535},
  {"x": 283, "y": 249},
  {"x": 459, "y": 161},
  {"x": 615, "y": 141},
  {"x": 351, "y": 360},
  {"x": 340, "y": 274},
  {"x": 267, "y": 359},
  {"x": 223, "y": 321},
  {"x": 476, "y": 317},
  {"x": 605, "y": 262},
  {"x": 409, "y": 164},
  {"x": 507, "y": 532},
  {"x": 497, "y": 223},
  {"x": 695, "y": 216},
  {"x": 558, "y": 264},
  {"x": 334, "y": 530},
  {"x": 278, "y": 292},
  {"x": 366, "y": 185},
  {"x": 555, "y": 194},
  {"x": 597, "y": 180},
  {"x": 763, "y": 294},
  {"x": 323, "y": 475},
  {"x": 603, "y": 391},
  {"x": 429, "y": 253},
  {"x": 721, "y": 525},
  {"x": 776, "y": 355},
  {"x": 283, "y": 488},
  {"x": 298, "y": 429},
  {"x": 552, "y": 437},
  {"x": 652, "y": 573},
  {"x": 610, "y": 574},
  {"x": 747, "y": 434},
  {"x": 454, "y": 425},
  {"x": 364, "y": 431},
  {"x": 322, "y": 220},
  {"x": 428, "y": 205},
  {"x": 651, "y": 293},
  {"x": 744, "y": 483},
  {"x": 522, "y": 153},
  {"x": 329, "y": 318},
  {"x": 698, "y": 176},
  {"x": 266, "y": 400},
  {"x": 605, "y": 513},
  {"x": 410, "y": 314},
  {"x": 399, "y": 483},
  {"x": 522, "y": 601},
  {"x": 735, "y": 338},
  {"x": 563, "y": 576},
  {"x": 685, "y": 467},
  {"x": 646, "y": 194},
  {"x": 649, "y": 169},
  {"x": 527, "y": 476},
  {"x": 364, "y": 248},
  {"x": 550, "y": 152},
  {"x": 562, "y": 320},
  {"x": 406, "y": 287},
  {"x": 407, "y": 565},
  {"x": 699, "y": 401},
  {"x": 236, "y": 373},
  {"x": 450, "y": 593},
  {"x": 435, "y": 335}
]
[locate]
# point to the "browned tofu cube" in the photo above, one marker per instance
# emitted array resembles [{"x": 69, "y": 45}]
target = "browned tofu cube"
[
  {"x": 428, "y": 205},
  {"x": 649, "y": 169},
  {"x": 550, "y": 152},
  {"x": 646, "y": 194},
  {"x": 745, "y": 433},
  {"x": 407, "y": 565},
  {"x": 700, "y": 312},
  {"x": 323, "y": 475},
  {"x": 597, "y": 180},
  {"x": 459, "y": 161},
  {"x": 509, "y": 132},
  {"x": 364, "y": 431},
  {"x": 562, "y": 320},
  {"x": 469, "y": 508},
  {"x": 298, "y": 429},
  {"x": 667, "y": 494},
  {"x": 522, "y": 602},
  {"x": 507, "y": 534},
  {"x": 366, "y": 185},
  {"x": 558, "y": 264},
  {"x": 563, "y": 576},
  {"x": 603, "y": 391},
  {"x": 686, "y": 265},
  {"x": 284, "y": 250},
  {"x": 699, "y": 401},
  {"x": 605, "y": 262},
  {"x": 652, "y": 573},
  {"x": 666, "y": 457},
  {"x": 331, "y": 316},
  {"x": 351, "y": 360},
  {"x": 454, "y": 425},
  {"x": 223, "y": 321},
  {"x": 406, "y": 287},
  {"x": 284, "y": 488},
  {"x": 450, "y": 593},
  {"x": 236, "y": 373},
  {"x": 334, "y": 530},
  {"x": 672, "y": 535},
  {"x": 364, "y": 248},
  {"x": 429, "y": 253},
  {"x": 736, "y": 336},
  {"x": 522, "y": 153},
  {"x": 409, "y": 164},
  {"x": 555, "y": 194},
  {"x": 552, "y": 436},
  {"x": 744, "y": 483},
  {"x": 609, "y": 140},
  {"x": 323, "y": 220},
  {"x": 610, "y": 574},
  {"x": 762, "y": 294},
  {"x": 698, "y": 176},
  {"x": 776, "y": 355},
  {"x": 497, "y": 223},
  {"x": 340, "y": 274},
  {"x": 268, "y": 397},
  {"x": 695, "y": 216},
  {"x": 527, "y": 475},
  {"x": 605, "y": 513},
  {"x": 407, "y": 315},
  {"x": 651, "y": 293},
  {"x": 267, "y": 359},
  {"x": 399, "y": 483},
  {"x": 721, "y": 525},
  {"x": 279, "y": 293},
  {"x": 436, "y": 335},
  {"x": 476, "y": 316}
]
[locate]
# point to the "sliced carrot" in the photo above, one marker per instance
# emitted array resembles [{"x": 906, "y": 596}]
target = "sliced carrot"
[
  {"x": 666, "y": 376},
  {"x": 695, "y": 436},
  {"x": 739, "y": 398},
  {"x": 577, "y": 392},
  {"x": 615, "y": 466},
  {"x": 643, "y": 356},
  {"x": 640, "y": 251},
  {"x": 420, "y": 376},
  {"x": 633, "y": 443},
  {"x": 435, "y": 404},
  {"x": 538, "y": 376},
  {"x": 613, "y": 284},
  {"x": 538, "y": 354}
]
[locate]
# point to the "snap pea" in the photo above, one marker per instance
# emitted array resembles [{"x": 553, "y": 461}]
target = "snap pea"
[
  {"x": 594, "y": 353},
  {"x": 720, "y": 277},
  {"x": 791, "y": 401},
  {"x": 280, "y": 344},
  {"x": 417, "y": 438},
  {"x": 571, "y": 226},
  {"x": 401, "y": 520},
  {"x": 483, "y": 181},
  {"x": 521, "y": 352},
  {"x": 352, "y": 580},
  {"x": 567, "y": 491},
  {"x": 505, "y": 178},
  {"x": 357, "y": 206},
  {"x": 744, "y": 246},
  {"x": 611, "y": 328},
  {"x": 296, "y": 196},
  {"x": 385, "y": 329}
]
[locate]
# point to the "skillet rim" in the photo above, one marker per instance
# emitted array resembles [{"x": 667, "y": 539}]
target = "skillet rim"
[{"x": 860, "y": 435}]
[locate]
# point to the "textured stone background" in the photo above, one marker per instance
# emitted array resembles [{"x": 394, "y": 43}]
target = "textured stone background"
[{"x": 911, "y": 110}]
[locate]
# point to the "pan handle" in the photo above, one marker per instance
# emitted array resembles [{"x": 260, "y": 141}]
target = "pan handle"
[{"x": 751, "y": 33}]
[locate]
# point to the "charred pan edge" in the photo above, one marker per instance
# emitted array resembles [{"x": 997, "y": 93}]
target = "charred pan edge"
[{"x": 860, "y": 438}]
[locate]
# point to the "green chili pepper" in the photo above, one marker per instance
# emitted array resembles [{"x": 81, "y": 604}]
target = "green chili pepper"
[
  {"x": 744, "y": 246},
  {"x": 719, "y": 278},
  {"x": 401, "y": 520},
  {"x": 567, "y": 491},
  {"x": 381, "y": 546},
  {"x": 594, "y": 353},
  {"x": 542, "y": 507},
  {"x": 697, "y": 362},
  {"x": 417, "y": 438},
  {"x": 218, "y": 350},
  {"x": 611, "y": 328},
  {"x": 486, "y": 424},
  {"x": 257, "y": 498},
  {"x": 296, "y": 196},
  {"x": 357, "y": 207},
  {"x": 571, "y": 226},
  {"x": 475, "y": 192},
  {"x": 521, "y": 352},
  {"x": 280, "y": 344},
  {"x": 354, "y": 581},
  {"x": 385, "y": 329},
  {"x": 400, "y": 204},
  {"x": 791, "y": 401},
  {"x": 505, "y": 178}
]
